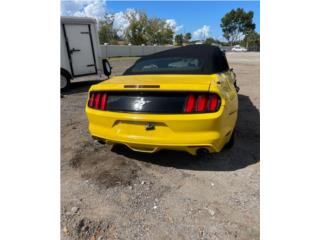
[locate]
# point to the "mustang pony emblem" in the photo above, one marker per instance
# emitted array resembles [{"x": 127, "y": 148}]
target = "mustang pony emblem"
[{"x": 138, "y": 104}]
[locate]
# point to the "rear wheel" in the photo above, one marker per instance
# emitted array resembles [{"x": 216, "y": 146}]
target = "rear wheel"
[{"x": 64, "y": 82}]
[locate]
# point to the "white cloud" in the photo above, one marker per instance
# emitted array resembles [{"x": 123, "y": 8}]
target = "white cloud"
[
  {"x": 121, "y": 21},
  {"x": 201, "y": 33},
  {"x": 221, "y": 39},
  {"x": 84, "y": 8},
  {"x": 173, "y": 25},
  {"x": 97, "y": 9}
]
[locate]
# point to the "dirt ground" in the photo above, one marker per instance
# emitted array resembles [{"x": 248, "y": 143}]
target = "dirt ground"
[{"x": 115, "y": 193}]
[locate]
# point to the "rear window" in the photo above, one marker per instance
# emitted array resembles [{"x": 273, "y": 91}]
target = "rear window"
[{"x": 167, "y": 65}]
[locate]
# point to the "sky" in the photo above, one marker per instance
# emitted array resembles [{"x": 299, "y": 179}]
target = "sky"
[{"x": 201, "y": 18}]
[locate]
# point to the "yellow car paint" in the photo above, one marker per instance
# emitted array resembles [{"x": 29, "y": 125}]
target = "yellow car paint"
[{"x": 185, "y": 132}]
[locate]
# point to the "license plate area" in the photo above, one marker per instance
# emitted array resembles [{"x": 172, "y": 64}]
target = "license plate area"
[{"x": 141, "y": 128}]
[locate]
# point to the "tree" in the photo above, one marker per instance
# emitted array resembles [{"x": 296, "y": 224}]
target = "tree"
[
  {"x": 136, "y": 32},
  {"x": 143, "y": 30},
  {"x": 236, "y": 24},
  {"x": 162, "y": 32},
  {"x": 152, "y": 30},
  {"x": 178, "y": 39},
  {"x": 106, "y": 31},
  {"x": 165, "y": 33},
  {"x": 252, "y": 41},
  {"x": 209, "y": 41},
  {"x": 187, "y": 37}
]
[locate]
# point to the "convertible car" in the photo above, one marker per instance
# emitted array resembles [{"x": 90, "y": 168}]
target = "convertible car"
[{"x": 183, "y": 99}]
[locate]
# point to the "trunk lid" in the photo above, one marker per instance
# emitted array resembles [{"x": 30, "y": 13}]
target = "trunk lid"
[{"x": 161, "y": 82}]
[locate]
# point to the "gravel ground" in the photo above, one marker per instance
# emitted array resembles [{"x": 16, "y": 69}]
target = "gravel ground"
[{"x": 115, "y": 193}]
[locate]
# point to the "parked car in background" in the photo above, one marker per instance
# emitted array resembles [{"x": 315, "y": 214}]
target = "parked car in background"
[
  {"x": 181, "y": 99},
  {"x": 238, "y": 48}
]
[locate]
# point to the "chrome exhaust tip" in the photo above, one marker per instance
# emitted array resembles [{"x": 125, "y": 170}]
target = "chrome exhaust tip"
[{"x": 99, "y": 140}]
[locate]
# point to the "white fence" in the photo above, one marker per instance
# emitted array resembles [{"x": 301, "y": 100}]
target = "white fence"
[
  {"x": 130, "y": 51},
  {"x": 136, "y": 51}
]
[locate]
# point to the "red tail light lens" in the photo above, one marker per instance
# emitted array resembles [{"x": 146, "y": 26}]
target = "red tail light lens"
[
  {"x": 104, "y": 101},
  {"x": 91, "y": 100},
  {"x": 98, "y": 100},
  {"x": 202, "y": 103},
  {"x": 214, "y": 103},
  {"x": 190, "y": 104}
]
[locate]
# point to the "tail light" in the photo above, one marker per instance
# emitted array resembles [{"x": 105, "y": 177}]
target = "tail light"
[
  {"x": 194, "y": 102},
  {"x": 190, "y": 104},
  {"x": 202, "y": 103},
  {"x": 91, "y": 100},
  {"x": 104, "y": 99},
  {"x": 98, "y": 100},
  {"x": 214, "y": 103}
]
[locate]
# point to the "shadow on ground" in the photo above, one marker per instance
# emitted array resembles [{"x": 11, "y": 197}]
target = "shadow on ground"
[
  {"x": 79, "y": 87},
  {"x": 245, "y": 152}
]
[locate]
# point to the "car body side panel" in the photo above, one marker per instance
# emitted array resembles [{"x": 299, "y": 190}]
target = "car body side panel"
[{"x": 225, "y": 83}]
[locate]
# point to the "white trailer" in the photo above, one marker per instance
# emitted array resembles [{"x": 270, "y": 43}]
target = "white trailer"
[{"x": 80, "y": 56}]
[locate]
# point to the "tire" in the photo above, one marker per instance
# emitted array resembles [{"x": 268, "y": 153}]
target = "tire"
[{"x": 64, "y": 82}]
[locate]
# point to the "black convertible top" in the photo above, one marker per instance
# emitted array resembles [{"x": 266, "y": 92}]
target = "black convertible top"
[
  {"x": 214, "y": 59},
  {"x": 200, "y": 50}
]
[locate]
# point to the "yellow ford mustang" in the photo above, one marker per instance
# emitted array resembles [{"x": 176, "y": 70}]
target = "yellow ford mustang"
[{"x": 181, "y": 99}]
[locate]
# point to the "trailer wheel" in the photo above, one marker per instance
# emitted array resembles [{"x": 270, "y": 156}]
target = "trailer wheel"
[{"x": 64, "y": 82}]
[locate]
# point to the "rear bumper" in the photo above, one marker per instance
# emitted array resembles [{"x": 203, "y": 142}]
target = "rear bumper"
[{"x": 186, "y": 132}]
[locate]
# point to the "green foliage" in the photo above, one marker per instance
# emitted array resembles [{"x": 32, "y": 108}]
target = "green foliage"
[
  {"x": 210, "y": 41},
  {"x": 236, "y": 24},
  {"x": 178, "y": 39},
  {"x": 143, "y": 30},
  {"x": 187, "y": 37},
  {"x": 152, "y": 30},
  {"x": 166, "y": 35},
  {"x": 252, "y": 41},
  {"x": 106, "y": 32},
  {"x": 136, "y": 33},
  {"x": 159, "y": 32}
]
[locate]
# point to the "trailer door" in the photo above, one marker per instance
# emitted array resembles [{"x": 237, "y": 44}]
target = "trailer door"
[{"x": 80, "y": 49}]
